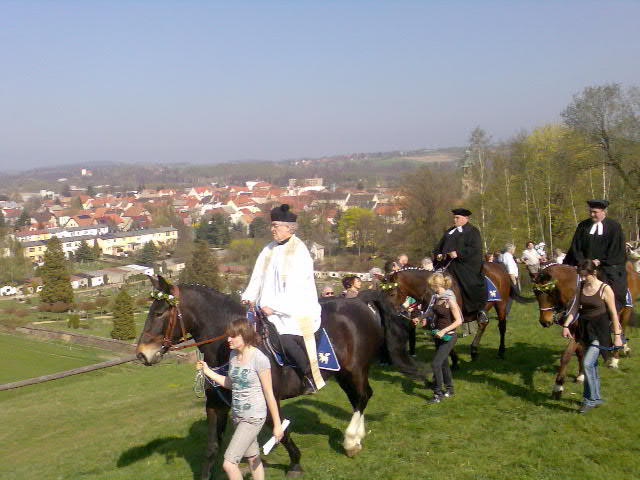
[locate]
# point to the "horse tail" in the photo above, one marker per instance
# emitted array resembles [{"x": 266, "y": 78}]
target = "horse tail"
[
  {"x": 513, "y": 293},
  {"x": 396, "y": 336}
]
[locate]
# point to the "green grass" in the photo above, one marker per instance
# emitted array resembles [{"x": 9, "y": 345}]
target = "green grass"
[{"x": 131, "y": 422}]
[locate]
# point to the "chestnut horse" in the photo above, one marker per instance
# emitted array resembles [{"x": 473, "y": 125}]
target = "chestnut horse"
[
  {"x": 413, "y": 282},
  {"x": 555, "y": 289},
  {"x": 356, "y": 332}
]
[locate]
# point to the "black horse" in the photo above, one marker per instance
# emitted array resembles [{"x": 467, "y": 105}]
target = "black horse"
[{"x": 358, "y": 328}]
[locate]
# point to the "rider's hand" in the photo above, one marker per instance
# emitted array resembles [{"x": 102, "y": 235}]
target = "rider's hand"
[
  {"x": 596, "y": 262},
  {"x": 200, "y": 365},
  {"x": 267, "y": 311},
  {"x": 566, "y": 333},
  {"x": 278, "y": 432},
  {"x": 453, "y": 254}
]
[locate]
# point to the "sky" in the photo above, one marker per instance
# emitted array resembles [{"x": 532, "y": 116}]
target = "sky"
[{"x": 209, "y": 82}]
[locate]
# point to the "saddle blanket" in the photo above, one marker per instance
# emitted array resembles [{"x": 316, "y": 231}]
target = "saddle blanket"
[
  {"x": 327, "y": 359},
  {"x": 492, "y": 292},
  {"x": 629, "y": 302}
]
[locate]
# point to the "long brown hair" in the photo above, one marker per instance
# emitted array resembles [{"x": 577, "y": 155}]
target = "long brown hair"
[{"x": 240, "y": 326}]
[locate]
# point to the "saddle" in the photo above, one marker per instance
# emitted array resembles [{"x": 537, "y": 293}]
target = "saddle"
[{"x": 272, "y": 346}]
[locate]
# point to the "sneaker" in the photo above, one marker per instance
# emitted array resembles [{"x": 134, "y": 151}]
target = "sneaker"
[
  {"x": 435, "y": 399},
  {"x": 586, "y": 407},
  {"x": 448, "y": 393}
]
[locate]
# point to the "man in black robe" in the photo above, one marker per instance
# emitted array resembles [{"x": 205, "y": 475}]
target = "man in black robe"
[
  {"x": 600, "y": 239},
  {"x": 460, "y": 251}
]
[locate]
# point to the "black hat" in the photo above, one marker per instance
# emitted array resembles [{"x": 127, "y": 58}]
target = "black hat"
[
  {"x": 282, "y": 214},
  {"x": 461, "y": 211},
  {"x": 598, "y": 204}
]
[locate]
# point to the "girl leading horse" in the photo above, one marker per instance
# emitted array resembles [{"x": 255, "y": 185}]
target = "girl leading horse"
[
  {"x": 413, "y": 282},
  {"x": 357, "y": 334}
]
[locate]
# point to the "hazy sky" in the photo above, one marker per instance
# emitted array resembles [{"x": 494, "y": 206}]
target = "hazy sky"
[{"x": 205, "y": 81}]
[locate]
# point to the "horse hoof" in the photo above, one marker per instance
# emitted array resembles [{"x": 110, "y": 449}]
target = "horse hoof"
[
  {"x": 295, "y": 471},
  {"x": 353, "y": 451},
  {"x": 501, "y": 355},
  {"x": 556, "y": 395}
]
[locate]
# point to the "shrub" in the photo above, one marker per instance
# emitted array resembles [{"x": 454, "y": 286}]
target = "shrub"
[
  {"x": 73, "y": 321},
  {"x": 59, "y": 307},
  {"x": 44, "y": 307},
  {"x": 142, "y": 301}
]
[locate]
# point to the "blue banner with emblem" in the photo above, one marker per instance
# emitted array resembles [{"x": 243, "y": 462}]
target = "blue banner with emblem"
[{"x": 492, "y": 292}]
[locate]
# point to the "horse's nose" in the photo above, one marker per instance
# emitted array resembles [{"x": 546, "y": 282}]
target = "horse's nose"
[{"x": 143, "y": 358}]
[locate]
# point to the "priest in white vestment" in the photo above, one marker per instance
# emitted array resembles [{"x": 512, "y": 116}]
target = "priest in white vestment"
[{"x": 282, "y": 286}]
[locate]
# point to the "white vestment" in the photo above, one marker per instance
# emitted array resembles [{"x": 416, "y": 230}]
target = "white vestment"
[{"x": 282, "y": 279}]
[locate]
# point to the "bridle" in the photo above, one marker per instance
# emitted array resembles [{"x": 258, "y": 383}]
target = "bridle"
[
  {"x": 175, "y": 317},
  {"x": 558, "y": 312}
]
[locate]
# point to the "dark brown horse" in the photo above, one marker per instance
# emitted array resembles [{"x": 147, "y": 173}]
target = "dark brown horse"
[
  {"x": 555, "y": 289},
  {"x": 413, "y": 282},
  {"x": 356, "y": 332}
]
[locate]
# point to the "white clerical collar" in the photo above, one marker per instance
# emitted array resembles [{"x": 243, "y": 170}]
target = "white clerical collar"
[
  {"x": 454, "y": 229},
  {"x": 596, "y": 226}
]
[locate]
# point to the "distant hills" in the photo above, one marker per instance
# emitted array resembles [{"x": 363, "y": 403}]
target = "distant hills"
[{"x": 367, "y": 168}]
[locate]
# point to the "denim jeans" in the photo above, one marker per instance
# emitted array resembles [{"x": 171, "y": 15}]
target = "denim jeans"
[{"x": 591, "y": 378}]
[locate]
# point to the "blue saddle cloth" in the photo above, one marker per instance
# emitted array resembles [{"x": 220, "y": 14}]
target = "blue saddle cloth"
[
  {"x": 492, "y": 292},
  {"x": 629, "y": 302},
  {"x": 327, "y": 359}
]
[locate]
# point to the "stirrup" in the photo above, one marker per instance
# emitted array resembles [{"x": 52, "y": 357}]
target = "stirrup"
[
  {"x": 482, "y": 317},
  {"x": 309, "y": 386}
]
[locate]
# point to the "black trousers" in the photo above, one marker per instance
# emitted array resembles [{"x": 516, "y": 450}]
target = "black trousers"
[
  {"x": 295, "y": 350},
  {"x": 440, "y": 364},
  {"x": 412, "y": 339}
]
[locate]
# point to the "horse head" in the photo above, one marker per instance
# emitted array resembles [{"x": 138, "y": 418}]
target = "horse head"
[
  {"x": 554, "y": 287},
  {"x": 393, "y": 290},
  {"x": 159, "y": 330}
]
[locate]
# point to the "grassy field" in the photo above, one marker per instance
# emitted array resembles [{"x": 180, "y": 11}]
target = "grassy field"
[{"x": 131, "y": 422}]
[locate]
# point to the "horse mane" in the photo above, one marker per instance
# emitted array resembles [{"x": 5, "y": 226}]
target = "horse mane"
[{"x": 217, "y": 305}]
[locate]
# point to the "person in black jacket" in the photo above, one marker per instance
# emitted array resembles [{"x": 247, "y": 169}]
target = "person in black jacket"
[
  {"x": 600, "y": 239},
  {"x": 460, "y": 252}
]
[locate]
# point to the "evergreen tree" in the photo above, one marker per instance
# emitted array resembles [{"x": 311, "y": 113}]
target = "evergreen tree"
[
  {"x": 24, "y": 220},
  {"x": 149, "y": 254},
  {"x": 202, "y": 268},
  {"x": 56, "y": 286},
  {"x": 97, "y": 251},
  {"x": 84, "y": 253},
  {"x": 123, "y": 325},
  {"x": 259, "y": 228},
  {"x": 65, "y": 191}
]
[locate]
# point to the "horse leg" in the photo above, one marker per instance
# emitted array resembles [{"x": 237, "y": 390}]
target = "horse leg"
[
  {"x": 558, "y": 388},
  {"x": 356, "y": 386},
  {"x": 580, "y": 356},
  {"x": 295, "y": 469},
  {"x": 476, "y": 340},
  {"x": 216, "y": 425},
  {"x": 625, "y": 320},
  {"x": 501, "y": 310}
]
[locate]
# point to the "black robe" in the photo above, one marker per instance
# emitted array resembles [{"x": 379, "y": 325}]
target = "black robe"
[
  {"x": 609, "y": 248},
  {"x": 467, "y": 267}
]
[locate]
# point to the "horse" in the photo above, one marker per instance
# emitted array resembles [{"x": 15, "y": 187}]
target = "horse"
[
  {"x": 414, "y": 282},
  {"x": 555, "y": 289},
  {"x": 356, "y": 332}
]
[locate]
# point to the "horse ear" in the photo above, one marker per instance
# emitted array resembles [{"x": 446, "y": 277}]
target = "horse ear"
[
  {"x": 163, "y": 285},
  {"x": 154, "y": 282}
]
